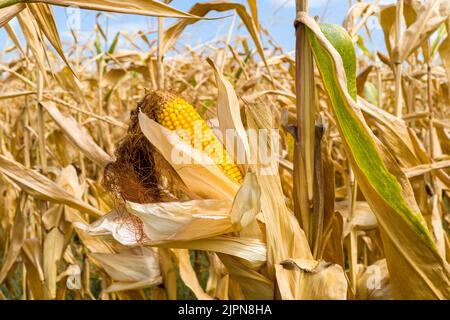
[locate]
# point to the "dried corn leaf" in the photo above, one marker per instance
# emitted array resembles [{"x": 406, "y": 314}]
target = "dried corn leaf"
[
  {"x": 123, "y": 230},
  {"x": 132, "y": 269},
  {"x": 33, "y": 261},
  {"x": 44, "y": 18},
  {"x": 188, "y": 275},
  {"x": 430, "y": 17},
  {"x": 229, "y": 115},
  {"x": 254, "y": 11},
  {"x": 16, "y": 94},
  {"x": 16, "y": 41},
  {"x": 78, "y": 135},
  {"x": 254, "y": 285},
  {"x": 253, "y": 251},
  {"x": 10, "y": 12},
  {"x": 320, "y": 280},
  {"x": 202, "y": 9},
  {"x": 31, "y": 31},
  {"x": 444, "y": 52},
  {"x": 17, "y": 239},
  {"x": 362, "y": 218},
  {"x": 52, "y": 253},
  {"x": 42, "y": 187},
  {"x": 388, "y": 16},
  {"x": 358, "y": 10},
  {"x": 141, "y": 7},
  {"x": 285, "y": 239},
  {"x": 247, "y": 203},
  {"x": 396, "y": 135},
  {"x": 181, "y": 221}
]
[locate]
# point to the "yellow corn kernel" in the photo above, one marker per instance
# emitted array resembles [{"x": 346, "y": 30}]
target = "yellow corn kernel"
[{"x": 175, "y": 113}]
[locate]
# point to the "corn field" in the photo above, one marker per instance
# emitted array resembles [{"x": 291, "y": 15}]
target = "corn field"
[{"x": 231, "y": 170}]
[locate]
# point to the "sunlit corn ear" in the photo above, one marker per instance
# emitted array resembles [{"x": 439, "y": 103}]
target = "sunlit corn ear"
[
  {"x": 197, "y": 170},
  {"x": 175, "y": 114}
]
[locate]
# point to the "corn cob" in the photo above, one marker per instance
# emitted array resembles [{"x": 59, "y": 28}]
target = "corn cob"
[{"x": 176, "y": 114}]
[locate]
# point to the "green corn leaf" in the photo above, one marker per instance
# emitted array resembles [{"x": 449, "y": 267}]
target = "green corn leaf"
[
  {"x": 339, "y": 38},
  {"x": 113, "y": 46}
]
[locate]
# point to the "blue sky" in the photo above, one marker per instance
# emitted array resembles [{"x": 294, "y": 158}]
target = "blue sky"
[{"x": 276, "y": 15}]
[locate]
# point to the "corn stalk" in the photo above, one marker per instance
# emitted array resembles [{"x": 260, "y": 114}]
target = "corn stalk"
[
  {"x": 398, "y": 64},
  {"x": 304, "y": 145}
]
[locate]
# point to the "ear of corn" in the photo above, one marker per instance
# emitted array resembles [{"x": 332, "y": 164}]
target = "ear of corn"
[{"x": 177, "y": 114}]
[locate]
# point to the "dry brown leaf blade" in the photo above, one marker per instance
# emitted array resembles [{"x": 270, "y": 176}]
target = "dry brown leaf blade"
[
  {"x": 10, "y": 12},
  {"x": 52, "y": 253},
  {"x": 33, "y": 37},
  {"x": 181, "y": 221},
  {"x": 17, "y": 239},
  {"x": 132, "y": 269},
  {"x": 201, "y": 9},
  {"x": 319, "y": 281},
  {"x": 42, "y": 187},
  {"x": 141, "y": 7},
  {"x": 430, "y": 17},
  {"x": 229, "y": 115},
  {"x": 43, "y": 14},
  {"x": 188, "y": 275},
  {"x": 78, "y": 135}
]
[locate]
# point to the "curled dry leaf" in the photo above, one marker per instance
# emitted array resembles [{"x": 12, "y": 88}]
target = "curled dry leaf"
[
  {"x": 141, "y": 7},
  {"x": 188, "y": 275},
  {"x": 78, "y": 135},
  {"x": 247, "y": 203},
  {"x": 320, "y": 280},
  {"x": 42, "y": 12},
  {"x": 124, "y": 231},
  {"x": 201, "y": 9},
  {"x": 17, "y": 239},
  {"x": 362, "y": 219},
  {"x": 181, "y": 221},
  {"x": 429, "y": 18},
  {"x": 132, "y": 269},
  {"x": 229, "y": 115},
  {"x": 358, "y": 10},
  {"x": 42, "y": 187}
]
